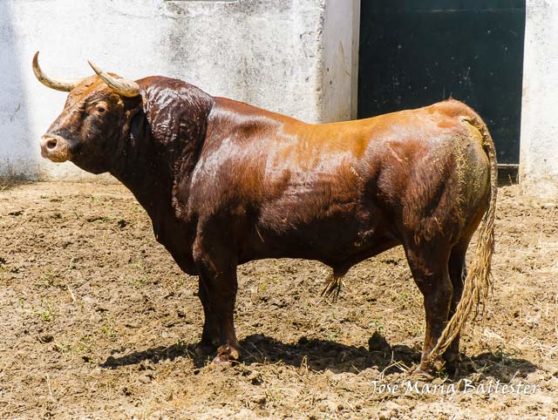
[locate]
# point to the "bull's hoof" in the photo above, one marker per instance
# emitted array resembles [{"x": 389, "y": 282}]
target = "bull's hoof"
[
  {"x": 431, "y": 366},
  {"x": 429, "y": 369},
  {"x": 421, "y": 374},
  {"x": 204, "y": 349},
  {"x": 226, "y": 356},
  {"x": 219, "y": 361}
]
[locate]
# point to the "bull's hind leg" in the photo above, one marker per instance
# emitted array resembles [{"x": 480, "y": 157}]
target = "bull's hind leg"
[
  {"x": 429, "y": 266},
  {"x": 457, "y": 271}
]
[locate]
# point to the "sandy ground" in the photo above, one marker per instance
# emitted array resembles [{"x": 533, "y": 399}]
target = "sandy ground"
[{"x": 97, "y": 321}]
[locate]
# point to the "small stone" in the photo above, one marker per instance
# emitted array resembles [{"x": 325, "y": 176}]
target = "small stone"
[
  {"x": 46, "y": 338},
  {"x": 256, "y": 380}
]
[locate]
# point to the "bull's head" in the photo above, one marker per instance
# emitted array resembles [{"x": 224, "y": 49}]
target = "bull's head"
[{"x": 95, "y": 117}]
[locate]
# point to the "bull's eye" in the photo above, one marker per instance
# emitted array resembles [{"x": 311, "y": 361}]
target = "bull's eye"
[{"x": 101, "y": 109}]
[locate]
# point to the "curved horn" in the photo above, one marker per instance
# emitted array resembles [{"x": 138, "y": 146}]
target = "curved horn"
[
  {"x": 123, "y": 87},
  {"x": 62, "y": 85}
]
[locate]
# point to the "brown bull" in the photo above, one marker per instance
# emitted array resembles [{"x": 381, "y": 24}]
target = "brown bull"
[{"x": 225, "y": 183}]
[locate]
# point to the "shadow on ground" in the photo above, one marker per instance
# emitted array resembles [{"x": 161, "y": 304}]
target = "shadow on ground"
[{"x": 321, "y": 355}]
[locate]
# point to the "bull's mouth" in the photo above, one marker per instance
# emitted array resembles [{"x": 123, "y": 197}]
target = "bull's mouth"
[{"x": 55, "y": 148}]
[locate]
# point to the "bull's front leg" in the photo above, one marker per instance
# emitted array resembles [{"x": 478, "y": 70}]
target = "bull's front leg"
[
  {"x": 218, "y": 287},
  {"x": 210, "y": 334}
]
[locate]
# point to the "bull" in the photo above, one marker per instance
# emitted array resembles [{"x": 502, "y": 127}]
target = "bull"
[{"x": 225, "y": 182}]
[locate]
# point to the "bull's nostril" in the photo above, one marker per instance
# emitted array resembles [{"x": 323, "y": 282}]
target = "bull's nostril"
[{"x": 51, "y": 144}]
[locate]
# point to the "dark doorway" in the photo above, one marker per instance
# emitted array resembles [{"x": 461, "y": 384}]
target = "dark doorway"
[{"x": 416, "y": 52}]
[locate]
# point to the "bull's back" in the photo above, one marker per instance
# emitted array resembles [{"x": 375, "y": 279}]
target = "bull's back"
[{"x": 345, "y": 157}]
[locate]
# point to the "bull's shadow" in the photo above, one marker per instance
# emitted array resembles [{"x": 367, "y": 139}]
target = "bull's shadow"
[{"x": 321, "y": 355}]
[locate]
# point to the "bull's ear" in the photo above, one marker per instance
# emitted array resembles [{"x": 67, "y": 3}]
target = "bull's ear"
[
  {"x": 132, "y": 107},
  {"x": 132, "y": 103},
  {"x": 123, "y": 87}
]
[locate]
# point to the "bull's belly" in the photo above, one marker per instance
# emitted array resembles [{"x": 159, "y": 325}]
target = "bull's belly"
[{"x": 342, "y": 237}]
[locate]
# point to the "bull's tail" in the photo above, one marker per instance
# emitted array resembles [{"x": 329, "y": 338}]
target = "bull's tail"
[{"x": 477, "y": 284}]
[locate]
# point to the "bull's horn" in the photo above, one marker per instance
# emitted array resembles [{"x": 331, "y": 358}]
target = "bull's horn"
[
  {"x": 123, "y": 87},
  {"x": 63, "y": 85}
]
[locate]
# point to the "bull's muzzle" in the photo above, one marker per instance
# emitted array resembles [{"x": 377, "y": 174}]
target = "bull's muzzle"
[{"x": 55, "y": 148}]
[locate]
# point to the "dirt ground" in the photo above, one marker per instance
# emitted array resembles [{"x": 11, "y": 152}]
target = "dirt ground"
[{"x": 97, "y": 321}]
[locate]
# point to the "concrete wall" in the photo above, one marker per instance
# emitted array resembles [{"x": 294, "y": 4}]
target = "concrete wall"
[
  {"x": 339, "y": 67},
  {"x": 298, "y": 57},
  {"x": 539, "y": 121}
]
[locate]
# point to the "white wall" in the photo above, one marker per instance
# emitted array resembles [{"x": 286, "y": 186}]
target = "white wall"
[
  {"x": 339, "y": 68},
  {"x": 272, "y": 53},
  {"x": 539, "y": 116}
]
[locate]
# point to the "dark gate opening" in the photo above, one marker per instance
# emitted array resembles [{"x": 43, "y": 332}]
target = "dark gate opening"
[{"x": 414, "y": 53}]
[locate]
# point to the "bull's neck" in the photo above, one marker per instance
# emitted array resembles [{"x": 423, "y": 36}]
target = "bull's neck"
[
  {"x": 137, "y": 165},
  {"x": 158, "y": 154}
]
